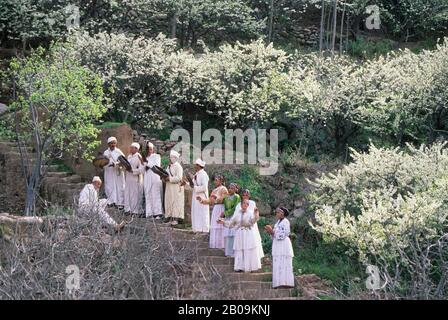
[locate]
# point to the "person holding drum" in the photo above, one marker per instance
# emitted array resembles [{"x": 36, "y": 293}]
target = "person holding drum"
[{"x": 114, "y": 181}]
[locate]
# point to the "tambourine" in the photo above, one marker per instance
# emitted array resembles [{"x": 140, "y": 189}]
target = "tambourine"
[
  {"x": 125, "y": 163},
  {"x": 159, "y": 171}
]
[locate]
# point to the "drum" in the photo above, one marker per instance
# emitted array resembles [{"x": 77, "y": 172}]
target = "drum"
[
  {"x": 159, "y": 171},
  {"x": 125, "y": 163},
  {"x": 100, "y": 161}
]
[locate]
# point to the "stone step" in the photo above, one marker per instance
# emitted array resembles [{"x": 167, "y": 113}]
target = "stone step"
[
  {"x": 72, "y": 179},
  {"x": 224, "y": 268},
  {"x": 216, "y": 260},
  {"x": 252, "y": 285},
  {"x": 58, "y": 174},
  {"x": 211, "y": 252},
  {"x": 262, "y": 293},
  {"x": 242, "y": 276},
  {"x": 51, "y": 168}
]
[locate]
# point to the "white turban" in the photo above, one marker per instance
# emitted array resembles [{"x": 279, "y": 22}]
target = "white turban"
[
  {"x": 111, "y": 139},
  {"x": 96, "y": 178},
  {"x": 136, "y": 145},
  {"x": 174, "y": 153},
  {"x": 200, "y": 162},
  {"x": 149, "y": 144}
]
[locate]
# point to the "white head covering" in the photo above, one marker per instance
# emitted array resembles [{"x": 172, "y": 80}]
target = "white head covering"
[
  {"x": 149, "y": 144},
  {"x": 96, "y": 178},
  {"x": 111, "y": 139},
  {"x": 200, "y": 162},
  {"x": 174, "y": 153},
  {"x": 136, "y": 145}
]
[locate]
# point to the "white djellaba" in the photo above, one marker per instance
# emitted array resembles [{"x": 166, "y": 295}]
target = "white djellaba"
[
  {"x": 133, "y": 192},
  {"x": 282, "y": 254},
  {"x": 89, "y": 203},
  {"x": 152, "y": 185},
  {"x": 114, "y": 181},
  {"x": 245, "y": 245},
  {"x": 200, "y": 213}
]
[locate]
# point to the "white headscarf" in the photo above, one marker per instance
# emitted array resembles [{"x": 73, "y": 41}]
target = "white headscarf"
[
  {"x": 96, "y": 178},
  {"x": 111, "y": 139},
  {"x": 174, "y": 154},
  {"x": 200, "y": 162},
  {"x": 149, "y": 144},
  {"x": 136, "y": 145}
]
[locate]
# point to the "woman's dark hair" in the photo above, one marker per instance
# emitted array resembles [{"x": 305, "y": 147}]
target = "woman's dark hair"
[
  {"x": 245, "y": 191},
  {"x": 220, "y": 177},
  {"x": 234, "y": 184},
  {"x": 284, "y": 210}
]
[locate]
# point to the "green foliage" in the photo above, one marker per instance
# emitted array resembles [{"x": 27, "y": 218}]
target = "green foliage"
[
  {"x": 326, "y": 261},
  {"x": 68, "y": 98},
  {"x": 266, "y": 239},
  {"x": 247, "y": 178},
  {"x": 110, "y": 125},
  {"x": 366, "y": 49}
]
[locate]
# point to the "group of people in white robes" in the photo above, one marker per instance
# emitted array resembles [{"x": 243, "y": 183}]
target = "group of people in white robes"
[
  {"x": 127, "y": 188},
  {"x": 232, "y": 222}
]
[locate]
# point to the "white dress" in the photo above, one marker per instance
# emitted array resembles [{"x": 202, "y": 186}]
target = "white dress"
[
  {"x": 114, "y": 182},
  {"x": 282, "y": 254},
  {"x": 153, "y": 187},
  {"x": 90, "y": 204},
  {"x": 134, "y": 185},
  {"x": 216, "y": 229},
  {"x": 200, "y": 213},
  {"x": 245, "y": 245},
  {"x": 252, "y": 206}
]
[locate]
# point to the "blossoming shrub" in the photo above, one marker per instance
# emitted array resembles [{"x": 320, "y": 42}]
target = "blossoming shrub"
[{"x": 389, "y": 208}]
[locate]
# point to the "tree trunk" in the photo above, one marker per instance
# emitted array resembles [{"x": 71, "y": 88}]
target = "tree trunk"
[
  {"x": 271, "y": 21},
  {"x": 322, "y": 27},
  {"x": 173, "y": 26},
  {"x": 335, "y": 21}
]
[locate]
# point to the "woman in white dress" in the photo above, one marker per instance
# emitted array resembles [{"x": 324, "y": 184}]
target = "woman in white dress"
[
  {"x": 245, "y": 244},
  {"x": 230, "y": 202},
  {"x": 245, "y": 195},
  {"x": 282, "y": 252},
  {"x": 216, "y": 199},
  {"x": 152, "y": 184}
]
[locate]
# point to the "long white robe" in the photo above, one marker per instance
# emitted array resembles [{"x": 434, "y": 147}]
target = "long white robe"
[
  {"x": 153, "y": 187},
  {"x": 90, "y": 204},
  {"x": 200, "y": 213},
  {"x": 174, "y": 192},
  {"x": 114, "y": 181},
  {"x": 282, "y": 254},
  {"x": 252, "y": 206},
  {"x": 133, "y": 191},
  {"x": 245, "y": 245},
  {"x": 216, "y": 229}
]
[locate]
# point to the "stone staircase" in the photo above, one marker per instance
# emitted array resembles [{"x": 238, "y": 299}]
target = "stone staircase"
[
  {"x": 253, "y": 286},
  {"x": 57, "y": 188}
]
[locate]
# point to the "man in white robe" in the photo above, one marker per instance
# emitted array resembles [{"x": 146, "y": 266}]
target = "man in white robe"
[
  {"x": 133, "y": 191},
  {"x": 152, "y": 184},
  {"x": 174, "y": 190},
  {"x": 200, "y": 213},
  {"x": 114, "y": 175},
  {"x": 90, "y": 204}
]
